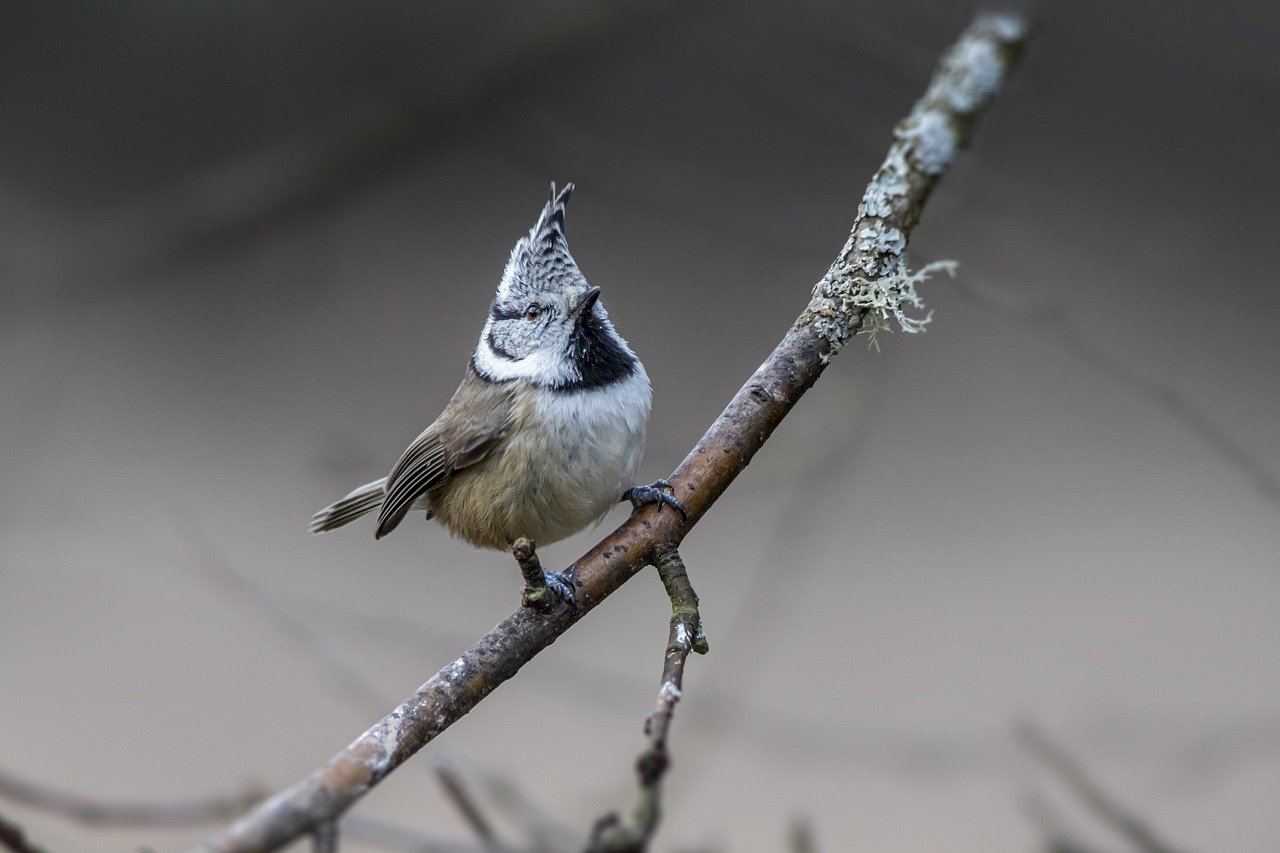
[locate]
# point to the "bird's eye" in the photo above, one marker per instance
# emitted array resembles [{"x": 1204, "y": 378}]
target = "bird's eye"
[{"x": 533, "y": 312}]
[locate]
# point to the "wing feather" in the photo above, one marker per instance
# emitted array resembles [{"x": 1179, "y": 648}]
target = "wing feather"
[{"x": 479, "y": 416}]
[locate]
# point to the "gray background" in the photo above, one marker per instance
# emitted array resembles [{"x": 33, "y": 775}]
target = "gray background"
[{"x": 245, "y": 250}]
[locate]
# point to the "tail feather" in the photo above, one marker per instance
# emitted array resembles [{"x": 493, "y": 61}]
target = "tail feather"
[{"x": 365, "y": 499}]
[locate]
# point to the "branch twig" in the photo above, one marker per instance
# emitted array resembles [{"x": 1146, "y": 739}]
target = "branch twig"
[
  {"x": 611, "y": 834},
  {"x": 871, "y": 265}
]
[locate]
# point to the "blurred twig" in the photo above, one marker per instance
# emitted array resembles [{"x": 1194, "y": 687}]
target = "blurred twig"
[
  {"x": 92, "y": 812},
  {"x": 801, "y": 836},
  {"x": 871, "y": 262},
  {"x": 545, "y": 834},
  {"x": 1058, "y": 838},
  {"x": 221, "y": 573},
  {"x": 14, "y": 839},
  {"x": 1136, "y": 831},
  {"x": 100, "y": 813},
  {"x": 1053, "y": 320},
  {"x": 460, "y": 796},
  {"x": 1191, "y": 755},
  {"x": 241, "y": 198},
  {"x": 354, "y": 683},
  {"x": 390, "y": 836}
]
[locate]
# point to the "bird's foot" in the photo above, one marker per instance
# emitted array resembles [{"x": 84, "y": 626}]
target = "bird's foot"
[
  {"x": 559, "y": 584},
  {"x": 657, "y": 492}
]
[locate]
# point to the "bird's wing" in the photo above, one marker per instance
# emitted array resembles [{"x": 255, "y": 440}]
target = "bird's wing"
[{"x": 479, "y": 416}]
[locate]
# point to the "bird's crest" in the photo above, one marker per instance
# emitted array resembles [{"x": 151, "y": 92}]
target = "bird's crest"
[
  {"x": 550, "y": 225},
  {"x": 541, "y": 261}
]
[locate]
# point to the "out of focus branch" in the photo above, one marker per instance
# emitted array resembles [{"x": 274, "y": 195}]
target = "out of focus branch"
[
  {"x": 1058, "y": 837},
  {"x": 14, "y": 839},
  {"x": 868, "y": 281},
  {"x": 354, "y": 683},
  {"x": 1053, "y": 320},
  {"x": 1136, "y": 831},
  {"x": 214, "y": 809},
  {"x": 456, "y": 790},
  {"x": 93, "y": 812},
  {"x": 801, "y": 836}
]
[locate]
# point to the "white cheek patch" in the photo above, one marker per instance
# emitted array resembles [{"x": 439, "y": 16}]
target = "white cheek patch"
[{"x": 541, "y": 367}]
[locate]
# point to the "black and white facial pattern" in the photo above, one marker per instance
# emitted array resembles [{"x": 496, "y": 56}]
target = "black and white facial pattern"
[{"x": 538, "y": 328}]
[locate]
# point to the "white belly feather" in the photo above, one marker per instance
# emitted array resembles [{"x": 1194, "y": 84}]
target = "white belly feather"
[{"x": 566, "y": 462}]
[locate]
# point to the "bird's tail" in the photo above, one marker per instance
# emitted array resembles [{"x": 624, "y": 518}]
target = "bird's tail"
[{"x": 367, "y": 498}]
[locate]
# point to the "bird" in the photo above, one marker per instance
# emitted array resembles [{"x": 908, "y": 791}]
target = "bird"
[{"x": 545, "y": 433}]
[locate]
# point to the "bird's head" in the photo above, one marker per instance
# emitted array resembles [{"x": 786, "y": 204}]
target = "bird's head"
[{"x": 546, "y": 323}]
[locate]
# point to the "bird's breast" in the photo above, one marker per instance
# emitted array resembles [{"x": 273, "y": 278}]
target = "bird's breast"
[{"x": 566, "y": 461}]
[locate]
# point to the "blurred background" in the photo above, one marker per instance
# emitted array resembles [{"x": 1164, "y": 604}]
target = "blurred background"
[{"x": 245, "y": 251}]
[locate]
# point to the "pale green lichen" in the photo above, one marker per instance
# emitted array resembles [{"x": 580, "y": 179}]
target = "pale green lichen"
[
  {"x": 845, "y": 303},
  {"x": 882, "y": 246},
  {"x": 886, "y": 188},
  {"x": 887, "y": 299},
  {"x": 870, "y": 288}
]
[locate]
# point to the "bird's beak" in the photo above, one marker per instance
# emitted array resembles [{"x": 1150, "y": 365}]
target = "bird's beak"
[{"x": 584, "y": 304}]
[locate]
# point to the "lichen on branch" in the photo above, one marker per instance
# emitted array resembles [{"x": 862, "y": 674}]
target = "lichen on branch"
[{"x": 870, "y": 287}]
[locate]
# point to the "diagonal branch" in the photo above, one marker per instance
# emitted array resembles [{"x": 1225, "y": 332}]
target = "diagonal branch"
[{"x": 868, "y": 283}]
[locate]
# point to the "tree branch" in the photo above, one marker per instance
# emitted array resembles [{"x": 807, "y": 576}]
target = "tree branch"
[{"x": 868, "y": 281}]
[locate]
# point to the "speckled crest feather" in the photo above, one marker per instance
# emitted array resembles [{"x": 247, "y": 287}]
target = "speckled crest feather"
[{"x": 541, "y": 261}]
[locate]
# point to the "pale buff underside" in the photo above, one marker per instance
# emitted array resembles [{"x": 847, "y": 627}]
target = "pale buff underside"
[{"x": 566, "y": 461}]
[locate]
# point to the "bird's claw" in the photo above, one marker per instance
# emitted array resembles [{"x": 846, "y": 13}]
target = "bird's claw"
[
  {"x": 657, "y": 492},
  {"x": 558, "y": 582}
]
